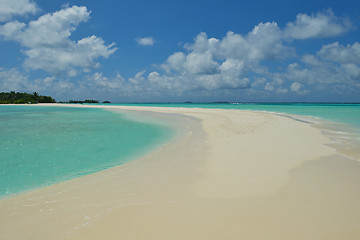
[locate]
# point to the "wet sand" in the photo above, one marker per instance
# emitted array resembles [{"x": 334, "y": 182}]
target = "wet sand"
[{"x": 229, "y": 174}]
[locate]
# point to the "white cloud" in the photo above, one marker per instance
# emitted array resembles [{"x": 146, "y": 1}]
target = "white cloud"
[
  {"x": 146, "y": 41},
  {"x": 269, "y": 86},
  {"x": 210, "y": 63},
  {"x": 281, "y": 90},
  {"x": 48, "y": 44},
  {"x": 334, "y": 65},
  {"x": 13, "y": 80},
  {"x": 175, "y": 62},
  {"x": 10, "y": 8},
  {"x": 264, "y": 42},
  {"x": 207, "y": 65},
  {"x": 72, "y": 73},
  {"x": 200, "y": 64},
  {"x": 223, "y": 63},
  {"x": 138, "y": 78},
  {"x": 48, "y": 81},
  {"x": 295, "y": 87},
  {"x": 320, "y": 25},
  {"x": 117, "y": 85},
  {"x": 276, "y": 85},
  {"x": 97, "y": 80},
  {"x": 258, "y": 81},
  {"x": 10, "y": 30},
  {"x": 341, "y": 54},
  {"x": 203, "y": 44},
  {"x": 353, "y": 70}
]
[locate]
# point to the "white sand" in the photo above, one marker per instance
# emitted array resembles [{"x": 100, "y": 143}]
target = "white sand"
[{"x": 229, "y": 175}]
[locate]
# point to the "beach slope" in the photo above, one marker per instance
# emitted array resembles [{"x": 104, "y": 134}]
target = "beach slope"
[{"x": 229, "y": 174}]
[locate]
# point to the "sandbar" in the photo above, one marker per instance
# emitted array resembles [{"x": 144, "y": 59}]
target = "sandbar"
[{"x": 229, "y": 174}]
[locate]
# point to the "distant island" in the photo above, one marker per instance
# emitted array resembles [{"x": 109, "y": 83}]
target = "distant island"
[
  {"x": 85, "y": 101},
  {"x": 21, "y": 98},
  {"x": 27, "y": 98}
]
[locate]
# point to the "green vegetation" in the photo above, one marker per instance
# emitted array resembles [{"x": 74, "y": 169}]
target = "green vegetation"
[
  {"x": 86, "y": 101},
  {"x": 19, "y": 98}
]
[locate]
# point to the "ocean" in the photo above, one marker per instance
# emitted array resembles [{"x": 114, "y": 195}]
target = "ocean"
[
  {"x": 40, "y": 146},
  {"x": 347, "y": 113},
  {"x": 339, "y": 121}
]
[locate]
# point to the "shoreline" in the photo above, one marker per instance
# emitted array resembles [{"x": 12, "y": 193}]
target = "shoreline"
[
  {"x": 41, "y": 149},
  {"x": 229, "y": 173}
]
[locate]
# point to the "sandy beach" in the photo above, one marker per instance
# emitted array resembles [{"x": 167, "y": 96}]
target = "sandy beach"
[{"x": 229, "y": 174}]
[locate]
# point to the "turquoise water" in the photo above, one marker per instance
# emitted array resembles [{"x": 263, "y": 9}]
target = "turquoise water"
[
  {"x": 41, "y": 145},
  {"x": 336, "y": 112},
  {"x": 340, "y": 122}
]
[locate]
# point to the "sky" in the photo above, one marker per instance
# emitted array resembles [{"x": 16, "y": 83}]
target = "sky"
[{"x": 175, "y": 51}]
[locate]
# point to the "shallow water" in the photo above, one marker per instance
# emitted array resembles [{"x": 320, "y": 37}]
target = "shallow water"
[
  {"x": 339, "y": 121},
  {"x": 41, "y": 145},
  {"x": 348, "y": 113}
]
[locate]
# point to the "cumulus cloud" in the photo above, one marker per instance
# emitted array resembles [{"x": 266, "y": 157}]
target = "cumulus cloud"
[
  {"x": 295, "y": 87},
  {"x": 116, "y": 85},
  {"x": 226, "y": 63},
  {"x": 98, "y": 80},
  {"x": 13, "y": 80},
  {"x": 10, "y": 8},
  {"x": 333, "y": 65},
  {"x": 212, "y": 64},
  {"x": 146, "y": 41},
  {"x": 48, "y": 45},
  {"x": 276, "y": 84},
  {"x": 264, "y": 42},
  {"x": 313, "y": 73},
  {"x": 16, "y": 80},
  {"x": 339, "y": 53},
  {"x": 320, "y": 25},
  {"x": 206, "y": 65}
]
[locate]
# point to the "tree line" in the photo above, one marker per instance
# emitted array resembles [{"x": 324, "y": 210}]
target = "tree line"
[
  {"x": 86, "y": 101},
  {"x": 20, "y": 98}
]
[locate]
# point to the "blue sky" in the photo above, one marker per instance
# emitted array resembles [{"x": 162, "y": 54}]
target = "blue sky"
[{"x": 153, "y": 51}]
